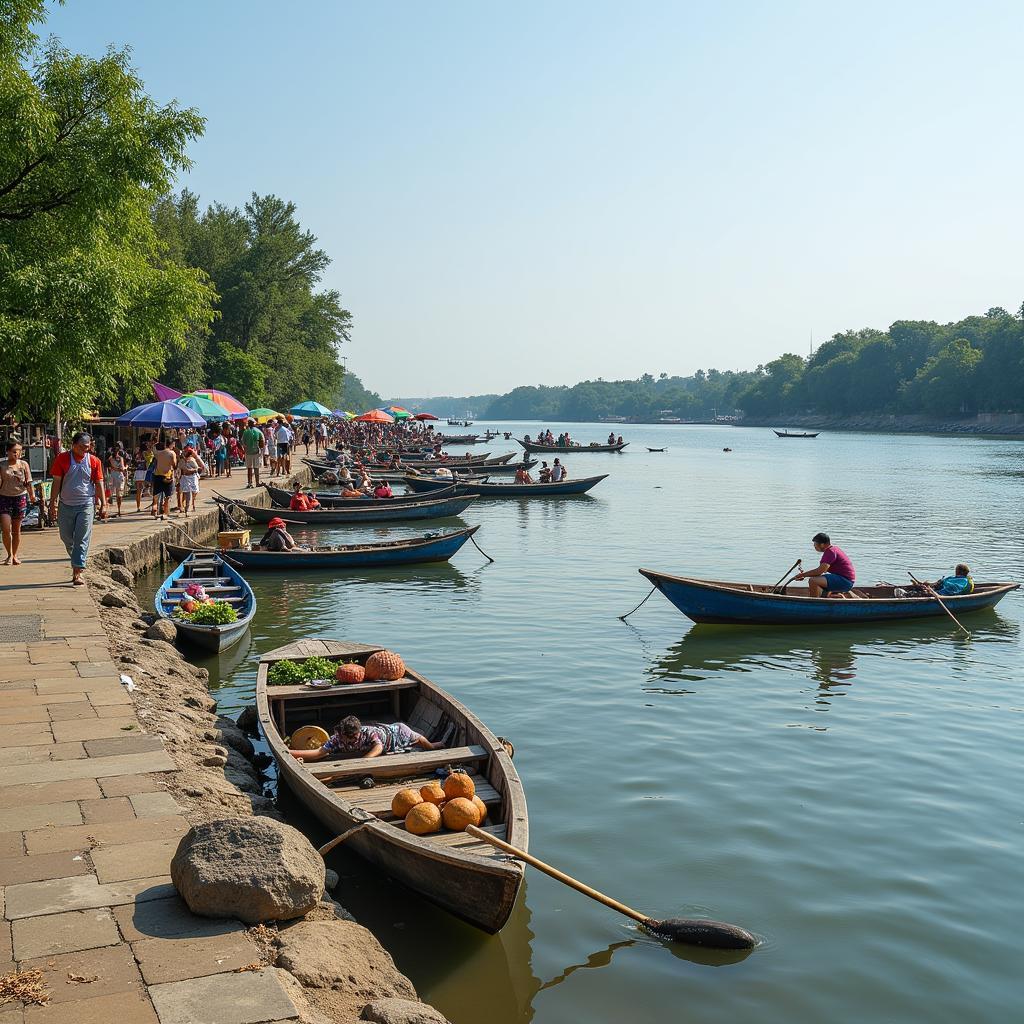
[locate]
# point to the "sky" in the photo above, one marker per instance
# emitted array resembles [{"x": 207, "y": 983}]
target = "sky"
[{"x": 542, "y": 193}]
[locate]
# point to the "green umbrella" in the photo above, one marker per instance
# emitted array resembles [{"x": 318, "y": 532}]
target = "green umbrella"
[{"x": 203, "y": 407}]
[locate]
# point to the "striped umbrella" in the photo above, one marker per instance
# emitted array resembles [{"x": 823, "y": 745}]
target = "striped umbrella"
[{"x": 231, "y": 405}]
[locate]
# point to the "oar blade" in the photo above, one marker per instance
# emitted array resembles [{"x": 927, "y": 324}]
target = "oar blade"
[{"x": 700, "y": 932}]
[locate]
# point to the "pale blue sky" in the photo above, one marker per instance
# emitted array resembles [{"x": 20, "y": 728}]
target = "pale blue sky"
[{"x": 547, "y": 192}]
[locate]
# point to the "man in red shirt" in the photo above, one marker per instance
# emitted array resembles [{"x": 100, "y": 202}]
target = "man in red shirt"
[
  {"x": 302, "y": 502},
  {"x": 835, "y": 575},
  {"x": 78, "y": 486}
]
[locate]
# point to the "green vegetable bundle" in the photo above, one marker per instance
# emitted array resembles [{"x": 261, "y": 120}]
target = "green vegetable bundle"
[
  {"x": 287, "y": 673},
  {"x": 220, "y": 613}
]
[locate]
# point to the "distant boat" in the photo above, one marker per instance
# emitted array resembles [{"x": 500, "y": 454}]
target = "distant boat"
[
  {"x": 786, "y": 433},
  {"x": 563, "y": 488},
  {"x": 570, "y": 449},
  {"x": 753, "y": 604},
  {"x": 222, "y": 583}
]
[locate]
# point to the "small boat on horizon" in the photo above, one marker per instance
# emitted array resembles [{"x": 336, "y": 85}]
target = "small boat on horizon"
[{"x": 786, "y": 433}]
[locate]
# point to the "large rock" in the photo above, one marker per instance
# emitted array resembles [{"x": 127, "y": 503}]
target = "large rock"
[
  {"x": 248, "y": 721},
  {"x": 255, "y": 869},
  {"x": 230, "y": 735},
  {"x": 342, "y": 956},
  {"x": 113, "y": 600},
  {"x": 121, "y": 575},
  {"x": 162, "y": 630},
  {"x": 401, "y": 1011}
]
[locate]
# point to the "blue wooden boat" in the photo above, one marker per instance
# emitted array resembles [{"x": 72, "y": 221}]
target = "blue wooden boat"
[
  {"x": 571, "y": 449},
  {"x": 280, "y": 498},
  {"x": 222, "y": 582},
  {"x": 431, "y": 547},
  {"x": 748, "y": 604},
  {"x": 562, "y": 489},
  {"x": 364, "y": 512}
]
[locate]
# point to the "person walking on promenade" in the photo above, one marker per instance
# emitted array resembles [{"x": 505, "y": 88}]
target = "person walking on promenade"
[
  {"x": 116, "y": 469},
  {"x": 189, "y": 468},
  {"x": 78, "y": 486},
  {"x": 283, "y": 436},
  {"x": 16, "y": 491},
  {"x": 164, "y": 463},
  {"x": 255, "y": 445}
]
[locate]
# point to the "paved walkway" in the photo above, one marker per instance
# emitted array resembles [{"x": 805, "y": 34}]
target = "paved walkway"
[{"x": 87, "y": 828}]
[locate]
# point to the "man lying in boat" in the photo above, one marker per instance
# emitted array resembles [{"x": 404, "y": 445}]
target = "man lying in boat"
[
  {"x": 835, "y": 575},
  {"x": 277, "y": 538},
  {"x": 352, "y": 738}
]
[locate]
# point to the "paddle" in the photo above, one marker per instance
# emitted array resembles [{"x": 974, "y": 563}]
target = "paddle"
[
  {"x": 694, "y": 931},
  {"x": 942, "y": 604},
  {"x": 780, "y": 586}
]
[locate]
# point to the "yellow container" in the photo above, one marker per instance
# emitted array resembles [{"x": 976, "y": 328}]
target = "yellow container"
[{"x": 228, "y": 539}]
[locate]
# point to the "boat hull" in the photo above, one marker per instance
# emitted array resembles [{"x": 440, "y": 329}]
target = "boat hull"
[
  {"x": 532, "y": 446},
  {"x": 280, "y": 498},
  {"x": 427, "y": 509},
  {"x": 498, "y": 490},
  {"x": 725, "y": 604}
]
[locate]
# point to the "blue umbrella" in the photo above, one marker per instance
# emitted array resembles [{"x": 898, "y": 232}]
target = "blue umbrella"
[
  {"x": 161, "y": 414},
  {"x": 309, "y": 409}
]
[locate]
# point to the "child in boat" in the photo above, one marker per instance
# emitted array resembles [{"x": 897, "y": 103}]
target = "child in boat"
[
  {"x": 959, "y": 583},
  {"x": 352, "y": 737}
]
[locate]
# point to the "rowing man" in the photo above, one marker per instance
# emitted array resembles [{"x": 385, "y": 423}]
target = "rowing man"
[{"x": 835, "y": 575}]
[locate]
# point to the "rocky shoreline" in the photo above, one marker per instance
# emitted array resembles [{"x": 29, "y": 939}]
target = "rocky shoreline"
[{"x": 334, "y": 969}]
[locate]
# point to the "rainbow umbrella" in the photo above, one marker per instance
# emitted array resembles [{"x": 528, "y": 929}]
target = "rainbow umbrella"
[
  {"x": 207, "y": 409},
  {"x": 231, "y": 405},
  {"x": 264, "y": 415},
  {"x": 375, "y": 416},
  {"x": 398, "y": 412}
]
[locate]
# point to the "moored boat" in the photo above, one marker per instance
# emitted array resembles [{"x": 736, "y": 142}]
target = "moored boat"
[
  {"x": 571, "y": 449},
  {"x": 281, "y": 498},
  {"x": 463, "y": 875},
  {"x": 563, "y": 488},
  {"x": 760, "y": 604},
  {"x": 786, "y": 433},
  {"x": 365, "y": 512},
  {"x": 431, "y": 547},
  {"x": 222, "y": 582}
]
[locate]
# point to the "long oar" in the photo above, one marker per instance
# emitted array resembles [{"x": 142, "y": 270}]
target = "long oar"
[
  {"x": 696, "y": 932},
  {"x": 796, "y": 565},
  {"x": 942, "y": 604}
]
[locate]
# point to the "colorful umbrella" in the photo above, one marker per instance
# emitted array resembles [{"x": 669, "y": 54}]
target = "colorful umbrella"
[
  {"x": 398, "y": 412},
  {"x": 264, "y": 415},
  {"x": 207, "y": 409},
  {"x": 375, "y": 416},
  {"x": 424, "y": 416},
  {"x": 161, "y": 414},
  {"x": 309, "y": 409},
  {"x": 163, "y": 392},
  {"x": 231, "y": 405}
]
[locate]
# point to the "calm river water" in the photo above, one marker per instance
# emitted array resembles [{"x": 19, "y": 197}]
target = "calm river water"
[{"x": 852, "y": 796}]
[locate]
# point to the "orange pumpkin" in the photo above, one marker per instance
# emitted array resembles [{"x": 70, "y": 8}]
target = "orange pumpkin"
[
  {"x": 384, "y": 665},
  {"x": 423, "y": 818},
  {"x": 482, "y": 808},
  {"x": 350, "y": 674},
  {"x": 404, "y": 801},
  {"x": 432, "y": 793},
  {"x": 459, "y": 813},
  {"x": 459, "y": 784}
]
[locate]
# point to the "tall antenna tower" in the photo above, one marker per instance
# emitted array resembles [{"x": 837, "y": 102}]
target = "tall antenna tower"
[{"x": 812, "y": 341}]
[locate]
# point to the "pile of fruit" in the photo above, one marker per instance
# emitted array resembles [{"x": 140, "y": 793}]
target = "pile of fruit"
[
  {"x": 453, "y": 805},
  {"x": 383, "y": 666}
]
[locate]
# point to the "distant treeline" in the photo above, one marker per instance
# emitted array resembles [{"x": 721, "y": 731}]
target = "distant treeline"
[{"x": 917, "y": 366}]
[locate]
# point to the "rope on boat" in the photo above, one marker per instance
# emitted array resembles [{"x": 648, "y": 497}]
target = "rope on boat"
[
  {"x": 347, "y": 834},
  {"x": 638, "y": 607},
  {"x": 480, "y": 549}
]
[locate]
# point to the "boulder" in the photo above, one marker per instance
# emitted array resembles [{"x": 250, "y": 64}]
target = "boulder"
[
  {"x": 112, "y": 600},
  {"x": 230, "y": 735},
  {"x": 119, "y": 574},
  {"x": 341, "y": 956},
  {"x": 162, "y": 630},
  {"x": 401, "y": 1011},
  {"x": 255, "y": 869},
  {"x": 248, "y": 721},
  {"x": 331, "y": 880},
  {"x": 117, "y": 556}
]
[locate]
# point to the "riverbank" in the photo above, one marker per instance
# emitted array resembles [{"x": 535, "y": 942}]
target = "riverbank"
[
  {"x": 112, "y": 749},
  {"x": 885, "y": 423}
]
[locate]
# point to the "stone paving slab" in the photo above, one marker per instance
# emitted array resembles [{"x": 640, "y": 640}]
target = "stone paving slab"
[
  {"x": 64, "y": 933},
  {"x": 67, "y": 864},
  {"x": 134, "y": 860},
  {"x": 87, "y": 768},
  {"x": 169, "y": 919},
  {"x": 74, "y": 837},
  {"x": 166, "y": 960},
  {"x": 154, "y": 805},
  {"x": 70, "y": 711},
  {"x": 248, "y": 998},
  {"x": 123, "y": 743},
  {"x": 120, "y": 1008},
  {"x": 129, "y": 785},
  {"x": 11, "y": 758},
  {"x": 33, "y": 899},
  {"x": 12, "y": 844},
  {"x": 21, "y": 819},
  {"x": 93, "y": 729},
  {"x": 107, "y": 809},
  {"x": 21, "y": 715},
  {"x": 49, "y": 792},
  {"x": 113, "y": 969}
]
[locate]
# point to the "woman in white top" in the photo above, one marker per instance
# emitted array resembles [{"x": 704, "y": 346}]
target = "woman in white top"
[
  {"x": 16, "y": 491},
  {"x": 116, "y": 469},
  {"x": 189, "y": 469}
]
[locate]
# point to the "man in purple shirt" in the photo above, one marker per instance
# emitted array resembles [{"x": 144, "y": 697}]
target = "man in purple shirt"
[{"x": 835, "y": 575}]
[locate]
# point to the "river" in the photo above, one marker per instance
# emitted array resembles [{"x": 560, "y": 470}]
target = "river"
[{"x": 850, "y": 795}]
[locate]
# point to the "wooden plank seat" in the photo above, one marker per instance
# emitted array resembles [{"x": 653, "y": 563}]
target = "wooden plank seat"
[
  {"x": 276, "y": 693},
  {"x": 227, "y": 600},
  {"x": 378, "y": 800},
  {"x": 219, "y": 588},
  {"x": 397, "y": 765}
]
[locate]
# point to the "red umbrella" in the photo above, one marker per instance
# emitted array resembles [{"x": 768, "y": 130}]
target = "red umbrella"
[
  {"x": 374, "y": 416},
  {"x": 424, "y": 416}
]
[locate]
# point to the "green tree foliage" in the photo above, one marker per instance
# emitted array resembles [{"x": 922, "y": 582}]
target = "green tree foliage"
[
  {"x": 276, "y": 337},
  {"x": 91, "y": 305}
]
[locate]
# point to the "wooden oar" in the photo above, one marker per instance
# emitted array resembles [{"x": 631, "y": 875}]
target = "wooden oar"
[
  {"x": 942, "y": 604},
  {"x": 798, "y": 564},
  {"x": 694, "y": 931}
]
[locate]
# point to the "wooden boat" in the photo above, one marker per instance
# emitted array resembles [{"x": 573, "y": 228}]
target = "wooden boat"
[
  {"x": 317, "y": 467},
  {"x": 431, "y": 547},
  {"x": 367, "y": 512},
  {"x": 657, "y": 449},
  {"x": 222, "y": 582},
  {"x": 467, "y": 877},
  {"x": 786, "y": 433},
  {"x": 572, "y": 449},
  {"x": 280, "y": 498},
  {"x": 562, "y": 489},
  {"x": 757, "y": 604}
]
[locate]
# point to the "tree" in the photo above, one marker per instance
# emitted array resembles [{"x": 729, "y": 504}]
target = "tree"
[
  {"x": 945, "y": 384},
  {"x": 90, "y": 303}
]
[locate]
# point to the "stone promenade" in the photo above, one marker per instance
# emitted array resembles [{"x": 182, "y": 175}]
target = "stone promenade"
[{"x": 87, "y": 828}]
